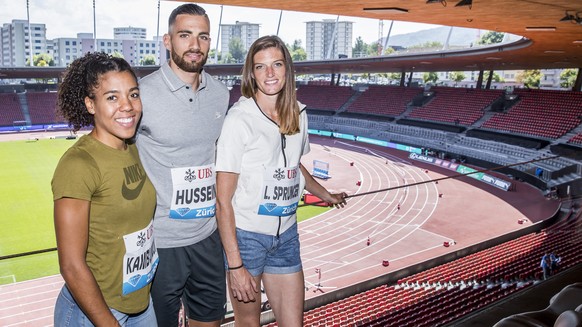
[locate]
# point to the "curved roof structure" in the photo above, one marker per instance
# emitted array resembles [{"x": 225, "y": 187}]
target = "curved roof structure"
[
  {"x": 551, "y": 30},
  {"x": 549, "y": 41}
]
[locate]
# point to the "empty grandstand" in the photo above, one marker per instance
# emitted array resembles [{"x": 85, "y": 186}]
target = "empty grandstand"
[
  {"x": 462, "y": 285},
  {"x": 11, "y": 111},
  {"x": 42, "y": 108}
]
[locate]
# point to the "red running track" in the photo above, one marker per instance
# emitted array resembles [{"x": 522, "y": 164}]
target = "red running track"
[{"x": 469, "y": 212}]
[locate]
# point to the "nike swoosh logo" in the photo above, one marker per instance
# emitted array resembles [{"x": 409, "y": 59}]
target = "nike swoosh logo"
[{"x": 132, "y": 194}]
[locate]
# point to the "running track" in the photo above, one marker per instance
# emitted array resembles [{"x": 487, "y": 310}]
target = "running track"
[{"x": 336, "y": 241}]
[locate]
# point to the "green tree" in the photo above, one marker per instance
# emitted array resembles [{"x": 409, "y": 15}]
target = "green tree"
[
  {"x": 226, "y": 59},
  {"x": 427, "y": 45},
  {"x": 41, "y": 60},
  {"x": 374, "y": 49},
  {"x": 496, "y": 77},
  {"x": 360, "y": 49},
  {"x": 296, "y": 50},
  {"x": 296, "y": 45},
  {"x": 568, "y": 78},
  {"x": 388, "y": 50},
  {"x": 299, "y": 55},
  {"x": 148, "y": 60},
  {"x": 211, "y": 55},
  {"x": 456, "y": 77},
  {"x": 236, "y": 49},
  {"x": 491, "y": 37},
  {"x": 430, "y": 77},
  {"x": 529, "y": 78},
  {"x": 394, "y": 76}
]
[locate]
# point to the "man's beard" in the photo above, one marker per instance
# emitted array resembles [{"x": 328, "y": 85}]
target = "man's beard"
[{"x": 190, "y": 67}]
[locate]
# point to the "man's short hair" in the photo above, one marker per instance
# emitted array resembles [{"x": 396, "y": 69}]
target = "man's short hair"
[{"x": 186, "y": 9}]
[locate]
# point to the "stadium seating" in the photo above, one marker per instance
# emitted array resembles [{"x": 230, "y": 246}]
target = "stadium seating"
[
  {"x": 569, "y": 318},
  {"x": 566, "y": 301},
  {"x": 576, "y": 139},
  {"x": 10, "y": 109},
  {"x": 42, "y": 107},
  {"x": 451, "y": 105},
  {"x": 450, "y": 291},
  {"x": 389, "y": 306},
  {"x": 324, "y": 97},
  {"x": 384, "y": 100},
  {"x": 541, "y": 113}
]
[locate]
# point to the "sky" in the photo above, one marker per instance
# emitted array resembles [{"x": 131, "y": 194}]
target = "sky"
[{"x": 66, "y": 18}]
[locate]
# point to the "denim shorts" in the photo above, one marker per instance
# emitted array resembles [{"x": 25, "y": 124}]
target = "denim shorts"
[
  {"x": 270, "y": 254},
  {"x": 68, "y": 313}
]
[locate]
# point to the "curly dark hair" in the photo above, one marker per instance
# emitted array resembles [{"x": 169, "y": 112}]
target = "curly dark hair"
[{"x": 80, "y": 80}]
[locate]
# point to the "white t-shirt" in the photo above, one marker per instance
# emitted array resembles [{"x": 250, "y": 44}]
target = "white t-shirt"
[{"x": 250, "y": 145}]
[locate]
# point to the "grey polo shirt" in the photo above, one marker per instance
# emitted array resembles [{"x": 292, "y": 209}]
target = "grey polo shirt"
[{"x": 179, "y": 128}]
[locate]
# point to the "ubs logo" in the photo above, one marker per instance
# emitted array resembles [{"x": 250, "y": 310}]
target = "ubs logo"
[{"x": 279, "y": 174}]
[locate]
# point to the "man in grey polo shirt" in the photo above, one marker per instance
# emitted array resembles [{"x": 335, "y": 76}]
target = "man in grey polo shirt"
[{"x": 183, "y": 112}]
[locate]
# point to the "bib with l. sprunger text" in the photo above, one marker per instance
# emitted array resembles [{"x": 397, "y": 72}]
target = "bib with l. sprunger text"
[
  {"x": 194, "y": 191},
  {"x": 280, "y": 193},
  {"x": 140, "y": 260}
]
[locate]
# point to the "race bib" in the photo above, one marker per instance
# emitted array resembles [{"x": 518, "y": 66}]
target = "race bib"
[
  {"x": 193, "y": 192},
  {"x": 280, "y": 193},
  {"x": 140, "y": 260}
]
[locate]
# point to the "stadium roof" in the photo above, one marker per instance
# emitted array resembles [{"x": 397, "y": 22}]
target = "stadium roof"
[
  {"x": 548, "y": 41},
  {"x": 551, "y": 30}
]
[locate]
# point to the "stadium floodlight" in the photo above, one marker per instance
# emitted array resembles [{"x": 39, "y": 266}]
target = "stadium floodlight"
[{"x": 442, "y": 2}]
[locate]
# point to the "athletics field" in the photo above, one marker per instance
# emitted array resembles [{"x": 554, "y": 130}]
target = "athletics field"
[{"x": 26, "y": 206}]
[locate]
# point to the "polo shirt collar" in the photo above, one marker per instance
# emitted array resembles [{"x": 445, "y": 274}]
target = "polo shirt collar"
[{"x": 175, "y": 83}]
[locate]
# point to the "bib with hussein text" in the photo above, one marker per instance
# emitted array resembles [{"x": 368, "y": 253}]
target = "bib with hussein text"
[{"x": 193, "y": 192}]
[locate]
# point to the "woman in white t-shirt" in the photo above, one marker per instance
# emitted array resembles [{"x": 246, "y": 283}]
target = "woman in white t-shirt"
[{"x": 259, "y": 183}]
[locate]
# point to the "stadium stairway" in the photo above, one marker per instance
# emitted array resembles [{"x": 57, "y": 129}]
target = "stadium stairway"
[
  {"x": 486, "y": 116},
  {"x": 566, "y": 137},
  {"x": 351, "y": 100},
  {"x": 24, "y": 105},
  {"x": 406, "y": 112}
]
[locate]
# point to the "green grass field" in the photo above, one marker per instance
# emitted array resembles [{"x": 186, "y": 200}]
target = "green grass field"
[{"x": 26, "y": 205}]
